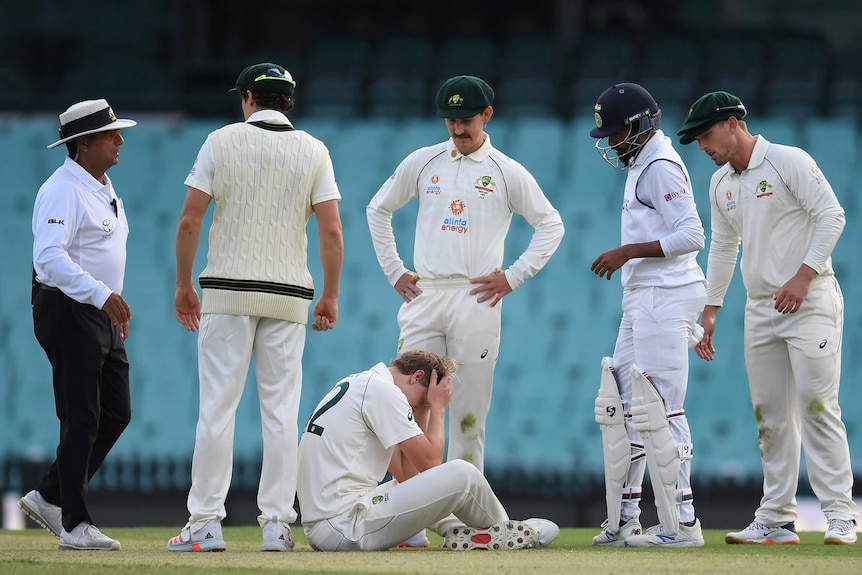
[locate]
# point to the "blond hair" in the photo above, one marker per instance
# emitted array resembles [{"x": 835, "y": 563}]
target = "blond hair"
[{"x": 412, "y": 361}]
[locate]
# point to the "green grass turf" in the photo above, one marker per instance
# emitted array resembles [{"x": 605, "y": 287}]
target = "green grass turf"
[{"x": 34, "y": 551}]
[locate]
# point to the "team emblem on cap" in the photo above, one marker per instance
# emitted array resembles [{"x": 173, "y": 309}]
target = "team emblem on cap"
[
  {"x": 598, "y": 115},
  {"x": 111, "y": 114},
  {"x": 455, "y": 100}
]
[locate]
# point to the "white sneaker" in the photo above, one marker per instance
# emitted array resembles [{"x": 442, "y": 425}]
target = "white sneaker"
[
  {"x": 840, "y": 532},
  {"x": 208, "y": 538},
  {"x": 46, "y": 514},
  {"x": 655, "y": 537},
  {"x": 546, "y": 531},
  {"x": 498, "y": 537},
  {"x": 618, "y": 539},
  {"x": 277, "y": 537},
  {"x": 86, "y": 537},
  {"x": 760, "y": 533},
  {"x": 419, "y": 541}
]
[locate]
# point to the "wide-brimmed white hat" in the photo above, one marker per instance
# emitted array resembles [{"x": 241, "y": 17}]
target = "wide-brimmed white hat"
[{"x": 88, "y": 117}]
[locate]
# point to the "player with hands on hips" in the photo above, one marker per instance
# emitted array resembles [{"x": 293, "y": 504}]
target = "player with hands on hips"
[
  {"x": 393, "y": 418},
  {"x": 467, "y": 192},
  {"x": 643, "y": 386},
  {"x": 765, "y": 195}
]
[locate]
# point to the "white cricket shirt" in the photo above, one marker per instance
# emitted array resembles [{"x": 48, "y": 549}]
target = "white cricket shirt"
[
  {"x": 785, "y": 213},
  {"x": 355, "y": 429},
  {"x": 79, "y": 241},
  {"x": 465, "y": 209},
  {"x": 659, "y": 205}
]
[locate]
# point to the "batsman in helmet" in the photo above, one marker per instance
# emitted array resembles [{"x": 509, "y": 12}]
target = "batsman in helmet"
[{"x": 640, "y": 402}]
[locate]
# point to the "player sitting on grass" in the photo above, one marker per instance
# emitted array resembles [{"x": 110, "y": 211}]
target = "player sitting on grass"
[{"x": 393, "y": 418}]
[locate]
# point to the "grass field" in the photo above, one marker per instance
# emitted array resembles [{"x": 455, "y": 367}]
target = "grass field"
[{"x": 33, "y": 552}]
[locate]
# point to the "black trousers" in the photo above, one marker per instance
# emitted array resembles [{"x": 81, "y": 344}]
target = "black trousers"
[{"x": 91, "y": 394}]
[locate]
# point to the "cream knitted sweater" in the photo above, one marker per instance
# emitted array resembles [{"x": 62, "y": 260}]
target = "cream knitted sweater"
[{"x": 262, "y": 186}]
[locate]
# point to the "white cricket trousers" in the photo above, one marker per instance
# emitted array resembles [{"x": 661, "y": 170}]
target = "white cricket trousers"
[
  {"x": 394, "y": 511},
  {"x": 449, "y": 321},
  {"x": 226, "y": 344},
  {"x": 794, "y": 374},
  {"x": 654, "y": 335}
]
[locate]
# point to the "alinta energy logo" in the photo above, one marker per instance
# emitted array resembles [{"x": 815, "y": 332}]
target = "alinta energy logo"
[
  {"x": 433, "y": 188},
  {"x": 456, "y": 224}
]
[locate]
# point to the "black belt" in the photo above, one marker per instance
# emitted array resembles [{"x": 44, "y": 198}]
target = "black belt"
[{"x": 49, "y": 288}]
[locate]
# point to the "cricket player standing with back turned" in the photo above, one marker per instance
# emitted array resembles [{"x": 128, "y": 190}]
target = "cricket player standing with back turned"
[
  {"x": 643, "y": 386},
  {"x": 775, "y": 199}
]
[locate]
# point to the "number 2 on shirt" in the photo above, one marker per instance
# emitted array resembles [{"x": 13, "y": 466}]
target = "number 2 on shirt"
[{"x": 313, "y": 427}]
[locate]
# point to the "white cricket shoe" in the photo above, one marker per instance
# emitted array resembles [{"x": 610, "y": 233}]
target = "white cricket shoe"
[
  {"x": 498, "y": 537},
  {"x": 208, "y": 538},
  {"x": 546, "y": 531},
  {"x": 277, "y": 537},
  {"x": 840, "y": 532},
  {"x": 758, "y": 533},
  {"x": 86, "y": 537},
  {"x": 655, "y": 537},
  {"x": 46, "y": 514},
  {"x": 418, "y": 541},
  {"x": 609, "y": 539}
]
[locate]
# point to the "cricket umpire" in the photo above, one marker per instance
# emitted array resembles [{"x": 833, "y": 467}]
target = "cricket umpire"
[{"x": 80, "y": 319}]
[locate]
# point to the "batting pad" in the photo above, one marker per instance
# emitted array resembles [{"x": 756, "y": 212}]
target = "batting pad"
[
  {"x": 649, "y": 417},
  {"x": 615, "y": 442}
]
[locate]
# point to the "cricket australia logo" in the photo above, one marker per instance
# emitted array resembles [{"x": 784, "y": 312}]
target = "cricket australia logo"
[
  {"x": 455, "y": 101},
  {"x": 764, "y": 189},
  {"x": 484, "y": 185},
  {"x": 379, "y": 499}
]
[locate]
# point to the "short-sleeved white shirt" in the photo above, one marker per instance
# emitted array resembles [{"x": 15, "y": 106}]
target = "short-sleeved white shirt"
[{"x": 348, "y": 443}]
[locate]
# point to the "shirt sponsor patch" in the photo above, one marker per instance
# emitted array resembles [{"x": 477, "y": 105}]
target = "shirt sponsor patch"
[
  {"x": 818, "y": 176},
  {"x": 677, "y": 194},
  {"x": 456, "y": 224}
]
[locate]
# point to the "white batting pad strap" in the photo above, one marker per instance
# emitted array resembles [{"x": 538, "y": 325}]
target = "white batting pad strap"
[
  {"x": 686, "y": 450},
  {"x": 615, "y": 442}
]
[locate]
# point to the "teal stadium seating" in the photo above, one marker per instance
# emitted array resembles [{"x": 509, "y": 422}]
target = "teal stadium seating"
[{"x": 556, "y": 327}]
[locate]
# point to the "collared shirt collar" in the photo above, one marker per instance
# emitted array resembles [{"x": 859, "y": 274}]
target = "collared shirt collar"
[
  {"x": 647, "y": 148},
  {"x": 270, "y": 117},
  {"x": 84, "y": 176},
  {"x": 479, "y": 155},
  {"x": 758, "y": 154}
]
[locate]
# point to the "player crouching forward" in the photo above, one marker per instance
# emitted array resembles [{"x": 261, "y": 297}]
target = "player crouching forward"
[{"x": 394, "y": 418}]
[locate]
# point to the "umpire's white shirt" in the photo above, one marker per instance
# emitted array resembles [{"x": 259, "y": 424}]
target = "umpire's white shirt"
[
  {"x": 783, "y": 209},
  {"x": 465, "y": 209},
  {"x": 356, "y": 427},
  {"x": 79, "y": 241}
]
